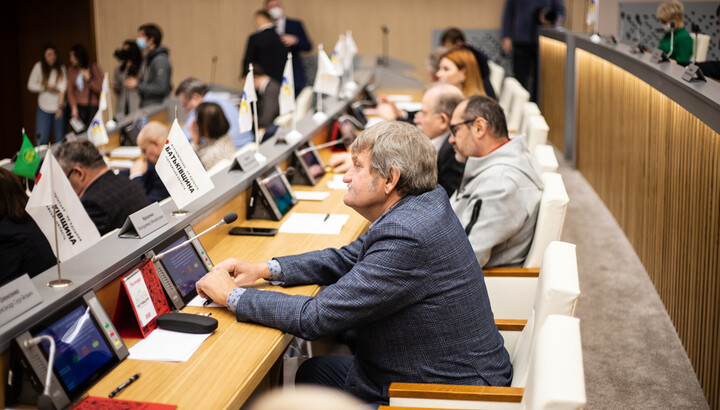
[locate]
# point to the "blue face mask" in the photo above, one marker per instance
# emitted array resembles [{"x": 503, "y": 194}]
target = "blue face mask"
[{"x": 141, "y": 43}]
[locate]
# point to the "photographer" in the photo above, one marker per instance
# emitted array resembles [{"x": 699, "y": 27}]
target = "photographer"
[{"x": 130, "y": 59}]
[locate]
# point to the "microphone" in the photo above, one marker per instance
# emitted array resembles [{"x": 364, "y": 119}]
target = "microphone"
[
  {"x": 384, "y": 60},
  {"x": 227, "y": 219},
  {"x": 637, "y": 28},
  {"x": 344, "y": 140},
  {"x": 289, "y": 172},
  {"x": 672, "y": 38},
  {"x": 696, "y": 31},
  {"x": 45, "y": 401},
  {"x": 213, "y": 67}
]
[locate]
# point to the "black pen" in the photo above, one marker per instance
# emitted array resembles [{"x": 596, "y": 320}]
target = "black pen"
[
  {"x": 123, "y": 386},
  {"x": 326, "y": 218},
  {"x": 207, "y": 302}
]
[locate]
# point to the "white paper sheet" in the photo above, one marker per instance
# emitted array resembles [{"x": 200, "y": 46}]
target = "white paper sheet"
[
  {"x": 337, "y": 183},
  {"x": 200, "y": 301},
  {"x": 314, "y": 223},
  {"x": 311, "y": 195},
  {"x": 166, "y": 346},
  {"x": 126, "y": 152},
  {"x": 409, "y": 106},
  {"x": 399, "y": 97}
]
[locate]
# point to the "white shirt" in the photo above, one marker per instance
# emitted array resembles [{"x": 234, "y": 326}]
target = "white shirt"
[
  {"x": 438, "y": 141},
  {"x": 47, "y": 101},
  {"x": 280, "y": 25}
]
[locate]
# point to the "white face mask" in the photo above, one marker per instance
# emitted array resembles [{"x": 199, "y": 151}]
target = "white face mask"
[
  {"x": 667, "y": 27},
  {"x": 275, "y": 13}
]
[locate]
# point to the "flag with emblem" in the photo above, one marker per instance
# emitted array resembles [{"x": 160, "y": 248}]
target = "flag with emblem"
[
  {"x": 96, "y": 132},
  {"x": 337, "y": 58},
  {"x": 327, "y": 79},
  {"x": 180, "y": 169},
  {"x": 102, "y": 106},
  {"x": 287, "y": 88},
  {"x": 351, "y": 50},
  {"x": 248, "y": 96},
  {"x": 28, "y": 160},
  {"x": 592, "y": 13},
  {"x": 56, "y": 209}
]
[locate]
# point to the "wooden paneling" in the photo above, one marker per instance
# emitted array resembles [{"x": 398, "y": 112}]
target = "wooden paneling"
[
  {"x": 656, "y": 168},
  {"x": 552, "y": 86}
]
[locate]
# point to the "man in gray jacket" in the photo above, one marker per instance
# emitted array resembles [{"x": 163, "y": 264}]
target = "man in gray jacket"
[
  {"x": 154, "y": 82},
  {"x": 499, "y": 195}
]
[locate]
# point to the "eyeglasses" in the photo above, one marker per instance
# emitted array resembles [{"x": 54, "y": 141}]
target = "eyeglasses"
[
  {"x": 70, "y": 173},
  {"x": 454, "y": 127}
]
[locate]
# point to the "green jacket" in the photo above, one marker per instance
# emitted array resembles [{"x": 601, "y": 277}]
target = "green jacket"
[{"x": 682, "y": 46}]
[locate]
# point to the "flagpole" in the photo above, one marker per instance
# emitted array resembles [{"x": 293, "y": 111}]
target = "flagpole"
[
  {"x": 59, "y": 282},
  {"x": 111, "y": 122},
  {"x": 319, "y": 115}
]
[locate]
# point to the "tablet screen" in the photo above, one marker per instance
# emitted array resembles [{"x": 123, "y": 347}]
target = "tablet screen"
[
  {"x": 314, "y": 167},
  {"x": 184, "y": 266},
  {"x": 280, "y": 193}
]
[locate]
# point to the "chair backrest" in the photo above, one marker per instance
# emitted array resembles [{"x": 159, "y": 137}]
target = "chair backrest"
[
  {"x": 701, "y": 43},
  {"x": 556, "y": 378},
  {"x": 556, "y": 294},
  {"x": 545, "y": 156},
  {"x": 497, "y": 74},
  {"x": 303, "y": 102},
  {"x": 529, "y": 109},
  {"x": 537, "y": 132},
  {"x": 550, "y": 219},
  {"x": 509, "y": 84},
  {"x": 519, "y": 98}
]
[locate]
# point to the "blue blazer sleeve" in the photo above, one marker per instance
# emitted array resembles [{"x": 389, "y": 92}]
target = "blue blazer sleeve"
[{"x": 507, "y": 20}]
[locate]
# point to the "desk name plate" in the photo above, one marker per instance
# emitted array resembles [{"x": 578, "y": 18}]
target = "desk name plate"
[
  {"x": 143, "y": 222},
  {"x": 17, "y": 297},
  {"x": 245, "y": 161}
]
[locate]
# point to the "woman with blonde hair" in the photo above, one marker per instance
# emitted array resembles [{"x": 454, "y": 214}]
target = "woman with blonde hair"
[
  {"x": 459, "y": 68},
  {"x": 670, "y": 14}
]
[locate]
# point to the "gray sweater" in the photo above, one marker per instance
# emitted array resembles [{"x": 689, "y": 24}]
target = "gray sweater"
[{"x": 497, "y": 203}]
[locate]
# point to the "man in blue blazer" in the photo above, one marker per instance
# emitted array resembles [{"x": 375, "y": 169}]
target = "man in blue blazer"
[
  {"x": 293, "y": 36},
  {"x": 409, "y": 293}
]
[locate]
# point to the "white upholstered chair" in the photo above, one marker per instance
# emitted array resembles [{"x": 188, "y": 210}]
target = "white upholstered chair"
[
  {"x": 520, "y": 97},
  {"x": 537, "y": 132},
  {"x": 555, "y": 380},
  {"x": 497, "y": 74},
  {"x": 509, "y": 84},
  {"x": 545, "y": 157},
  {"x": 302, "y": 106},
  {"x": 701, "y": 43},
  {"x": 529, "y": 110}
]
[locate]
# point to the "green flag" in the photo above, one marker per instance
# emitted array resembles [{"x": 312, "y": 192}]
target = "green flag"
[{"x": 28, "y": 160}]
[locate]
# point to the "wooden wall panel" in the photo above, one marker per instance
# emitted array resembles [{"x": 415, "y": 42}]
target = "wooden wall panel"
[
  {"x": 552, "y": 86},
  {"x": 656, "y": 168}
]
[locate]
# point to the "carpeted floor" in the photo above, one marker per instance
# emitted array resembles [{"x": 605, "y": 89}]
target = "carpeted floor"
[{"x": 633, "y": 357}]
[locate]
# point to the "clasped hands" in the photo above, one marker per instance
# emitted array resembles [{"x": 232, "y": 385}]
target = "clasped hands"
[{"x": 228, "y": 275}]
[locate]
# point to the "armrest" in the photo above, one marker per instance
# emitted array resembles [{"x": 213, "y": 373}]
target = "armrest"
[
  {"x": 512, "y": 325},
  {"x": 456, "y": 392},
  {"x": 512, "y": 272}
]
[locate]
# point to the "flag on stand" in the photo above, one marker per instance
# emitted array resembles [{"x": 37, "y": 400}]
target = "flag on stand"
[
  {"x": 102, "y": 106},
  {"x": 28, "y": 160},
  {"x": 327, "y": 79},
  {"x": 180, "y": 169},
  {"x": 350, "y": 50},
  {"x": 75, "y": 230},
  {"x": 337, "y": 58},
  {"x": 592, "y": 13},
  {"x": 287, "y": 88},
  {"x": 248, "y": 96},
  {"x": 96, "y": 131}
]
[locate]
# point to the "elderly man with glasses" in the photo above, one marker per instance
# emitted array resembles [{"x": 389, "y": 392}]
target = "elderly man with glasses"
[{"x": 499, "y": 195}]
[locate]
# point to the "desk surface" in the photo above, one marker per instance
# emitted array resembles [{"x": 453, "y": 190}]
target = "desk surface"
[{"x": 230, "y": 363}]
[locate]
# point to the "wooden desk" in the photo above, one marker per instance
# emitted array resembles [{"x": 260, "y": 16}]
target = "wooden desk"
[{"x": 231, "y": 363}]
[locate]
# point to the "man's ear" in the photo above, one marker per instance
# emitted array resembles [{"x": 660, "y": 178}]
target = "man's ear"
[
  {"x": 480, "y": 126},
  {"x": 445, "y": 119},
  {"x": 392, "y": 181}
]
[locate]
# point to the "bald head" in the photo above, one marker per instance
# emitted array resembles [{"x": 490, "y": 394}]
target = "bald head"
[
  {"x": 151, "y": 139},
  {"x": 438, "y": 103}
]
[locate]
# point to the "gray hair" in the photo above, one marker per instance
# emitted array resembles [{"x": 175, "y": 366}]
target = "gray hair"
[
  {"x": 80, "y": 153},
  {"x": 488, "y": 109},
  {"x": 190, "y": 86},
  {"x": 447, "y": 98},
  {"x": 400, "y": 146},
  {"x": 153, "y": 131}
]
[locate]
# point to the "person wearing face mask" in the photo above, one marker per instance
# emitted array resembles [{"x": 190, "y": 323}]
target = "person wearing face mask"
[
  {"x": 293, "y": 36},
  {"x": 670, "y": 15},
  {"x": 265, "y": 48},
  {"x": 153, "y": 84},
  {"x": 84, "y": 86},
  {"x": 130, "y": 60}
]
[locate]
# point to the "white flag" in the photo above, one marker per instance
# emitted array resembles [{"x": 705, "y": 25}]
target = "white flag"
[
  {"x": 180, "y": 169},
  {"x": 337, "y": 58},
  {"x": 287, "y": 88},
  {"x": 327, "y": 80},
  {"x": 102, "y": 106},
  {"x": 75, "y": 230},
  {"x": 592, "y": 13},
  {"x": 246, "y": 118},
  {"x": 350, "y": 50},
  {"x": 96, "y": 131}
]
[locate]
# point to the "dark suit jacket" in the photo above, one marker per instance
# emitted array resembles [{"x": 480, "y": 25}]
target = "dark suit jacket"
[
  {"x": 296, "y": 28},
  {"x": 150, "y": 182},
  {"x": 268, "y": 104},
  {"x": 409, "y": 292},
  {"x": 110, "y": 199},
  {"x": 23, "y": 249},
  {"x": 450, "y": 171},
  {"x": 266, "y": 49}
]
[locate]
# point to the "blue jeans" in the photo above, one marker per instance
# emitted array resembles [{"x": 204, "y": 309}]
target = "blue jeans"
[{"x": 43, "y": 122}]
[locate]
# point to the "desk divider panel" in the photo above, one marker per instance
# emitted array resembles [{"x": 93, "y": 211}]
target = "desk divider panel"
[{"x": 552, "y": 89}]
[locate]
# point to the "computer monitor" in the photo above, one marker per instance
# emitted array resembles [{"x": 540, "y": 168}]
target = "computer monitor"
[
  {"x": 87, "y": 346},
  {"x": 308, "y": 164},
  {"x": 272, "y": 196},
  {"x": 178, "y": 271}
]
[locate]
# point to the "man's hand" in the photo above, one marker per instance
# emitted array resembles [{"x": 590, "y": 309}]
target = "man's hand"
[
  {"x": 139, "y": 167},
  {"x": 507, "y": 45},
  {"x": 244, "y": 273},
  {"x": 288, "y": 40},
  {"x": 216, "y": 285},
  {"x": 340, "y": 162},
  {"x": 131, "y": 83}
]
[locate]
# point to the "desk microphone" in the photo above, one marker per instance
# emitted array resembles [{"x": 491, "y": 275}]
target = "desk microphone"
[
  {"x": 637, "y": 28},
  {"x": 227, "y": 219},
  {"x": 45, "y": 401},
  {"x": 344, "y": 140},
  {"x": 213, "y": 67},
  {"x": 384, "y": 60},
  {"x": 289, "y": 172},
  {"x": 672, "y": 37}
]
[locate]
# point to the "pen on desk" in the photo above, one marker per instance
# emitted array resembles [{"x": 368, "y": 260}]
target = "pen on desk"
[
  {"x": 123, "y": 386},
  {"x": 326, "y": 218},
  {"x": 207, "y": 302}
]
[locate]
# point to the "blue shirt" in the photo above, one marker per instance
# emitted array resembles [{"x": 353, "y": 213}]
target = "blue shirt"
[{"x": 232, "y": 114}]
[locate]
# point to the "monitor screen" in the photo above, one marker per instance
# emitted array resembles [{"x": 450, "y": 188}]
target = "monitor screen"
[
  {"x": 280, "y": 193},
  {"x": 184, "y": 266},
  {"x": 81, "y": 351},
  {"x": 314, "y": 167}
]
